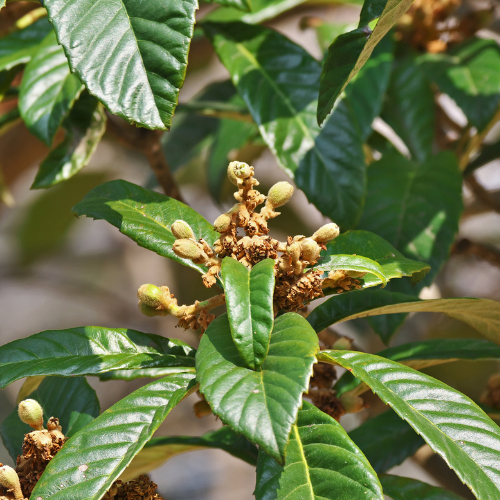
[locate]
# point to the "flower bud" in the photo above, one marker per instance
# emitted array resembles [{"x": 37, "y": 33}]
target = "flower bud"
[
  {"x": 189, "y": 249},
  {"x": 279, "y": 194},
  {"x": 351, "y": 403},
  {"x": 148, "y": 310},
  {"x": 342, "y": 344},
  {"x": 151, "y": 295},
  {"x": 294, "y": 251},
  {"x": 310, "y": 250},
  {"x": 222, "y": 223},
  {"x": 238, "y": 170},
  {"x": 10, "y": 481},
  {"x": 202, "y": 409},
  {"x": 31, "y": 413},
  {"x": 326, "y": 233},
  {"x": 355, "y": 274},
  {"x": 181, "y": 230}
]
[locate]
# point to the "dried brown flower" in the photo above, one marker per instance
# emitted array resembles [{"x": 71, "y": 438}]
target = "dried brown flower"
[
  {"x": 327, "y": 401},
  {"x": 323, "y": 377}
]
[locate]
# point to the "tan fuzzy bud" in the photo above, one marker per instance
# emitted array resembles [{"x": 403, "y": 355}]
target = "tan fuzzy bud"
[
  {"x": 189, "y": 249},
  {"x": 151, "y": 295},
  {"x": 231, "y": 176},
  {"x": 352, "y": 404},
  {"x": 181, "y": 230},
  {"x": 310, "y": 250},
  {"x": 10, "y": 481},
  {"x": 31, "y": 413},
  {"x": 294, "y": 251},
  {"x": 343, "y": 344},
  {"x": 279, "y": 194},
  {"x": 239, "y": 169},
  {"x": 355, "y": 274},
  {"x": 222, "y": 223},
  {"x": 326, "y": 233},
  {"x": 202, "y": 409}
]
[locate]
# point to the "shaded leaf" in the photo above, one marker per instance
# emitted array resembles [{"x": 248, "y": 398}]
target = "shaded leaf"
[
  {"x": 467, "y": 73},
  {"x": 48, "y": 90},
  {"x": 84, "y": 127},
  {"x": 161, "y": 449},
  {"x": 145, "y": 217},
  {"x": 261, "y": 405},
  {"x": 452, "y": 424},
  {"x": 386, "y": 440},
  {"x": 350, "y": 51},
  {"x": 71, "y": 400},
  {"x": 321, "y": 463},
  {"x": 481, "y": 314},
  {"x": 405, "y": 488},
  {"x": 415, "y": 207},
  {"x": 249, "y": 300},
  {"x": 109, "y": 443},
  {"x": 145, "y": 373},
  {"x": 131, "y": 55},
  {"x": 278, "y": 81},
  {"x": 391, "y": 263},
  {"x": 89, "y": 351},
  {"x": 20, "y": 46},
  {"x": 409, "y": 107},
  {"x": 237, "y": 4}
]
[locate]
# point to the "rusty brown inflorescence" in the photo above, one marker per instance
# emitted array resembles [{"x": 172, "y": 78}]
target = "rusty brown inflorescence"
[{"x": 296, "y": 282}]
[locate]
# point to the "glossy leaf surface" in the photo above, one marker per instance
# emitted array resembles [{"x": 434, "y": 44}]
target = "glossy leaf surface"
[
  {"x": 131, "y": 55},
  {"x": 249, "y": 299},
  {"x": 452, "y": 424},
  {"x": 161, "y": 449},
  {"x": 84, "y": 128},
  {"x": 108, "y": 444},
  {"x": 262, "y": 405},
  {"x": 391, "y": 262},
  {"x": 71, "y": 400},
  {"x": 481, "y": 314},
  {"x": 237, "y": 4},
  {"x": 88, "y": 351},
  {"x": 145, "y": 373},
  {"x": 321, "y": 463},
  {"x": 20, "y": 46},
  {"x": 48, "y": 90},
  {"x": 386, "y": 440},
  {"x": 350, "y": 51},
  {"x": 145, "y": 217},
  {"x": 278, "y": 81},
  {"x": 415, "y": 207},
  {"x": 405, "y": 488}
]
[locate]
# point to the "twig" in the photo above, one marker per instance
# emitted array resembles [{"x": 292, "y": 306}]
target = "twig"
[
  {"x": 483, "y": 194},
  {"x": 467, "y": 247},
  {"x": 147, "y": 142}
]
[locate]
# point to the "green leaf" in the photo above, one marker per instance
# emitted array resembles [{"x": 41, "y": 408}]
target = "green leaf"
[
  {"x": 405, "y": 488},
  {"x": 409, "y": 108},
  {"x": 261, "y": 405},
  {"x": 89, "y": 351},
  {"x": 392, "y": 264},
  {"x": 145, "y": 217},
  {"x": 145, "y": 373},
  {"x": 84, "y": 127},
  {"x": 452, "y": 424},
  {"x": 481, "y": 314},
  {"x": 48, "y": 90},
  {"x": 262, "y": 10},
  {"x": 419, "y": 209},
  {"x": 161, "y": 449},
  {"x": 278, "y": 81},
  {"x": 321, "y": 463},
  {"x": 425, "y": 353},
  {"x": 109, "y": 443},
  {"x": 249, "y": 299},
  {"x": 386, "y": 440},
  {"x": 20, "y": 46},
  {"x": 468, "y": 75},
  {"x": 350, "y": 51},
  {"x": 71, "y": 400},
  {"x": 237, "y": 4},
  {"x": 131, "y": 55}
]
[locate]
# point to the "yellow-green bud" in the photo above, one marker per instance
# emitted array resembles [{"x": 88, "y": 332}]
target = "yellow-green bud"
[
  {"x": 148, "y": 310},
  {"x": 31, "y": 413},
  {"x": 10, "y": 481},
  {"x": 181, "y": 229},
  {"x": 326, "y": 233},
  {"x": 343, "y": 344},
  {"x": 279, "y": 194},
  {"x": 239, "y": 170},
  {"x": 188, "y": 249},
  {"x": 151, "y": 295},
  {"x": 310, "y": 250},
  {"x": 222, "y": 223},
  {"x": 351, "y": 403}
]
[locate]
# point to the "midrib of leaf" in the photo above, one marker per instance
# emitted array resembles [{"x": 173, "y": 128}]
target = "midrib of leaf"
[{"x": 303, "y": 456}]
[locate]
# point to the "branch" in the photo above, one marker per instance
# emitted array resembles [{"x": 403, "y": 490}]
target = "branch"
[
  {"x": 483, "y": 194},
  {"x": 467, "y": 247}
]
